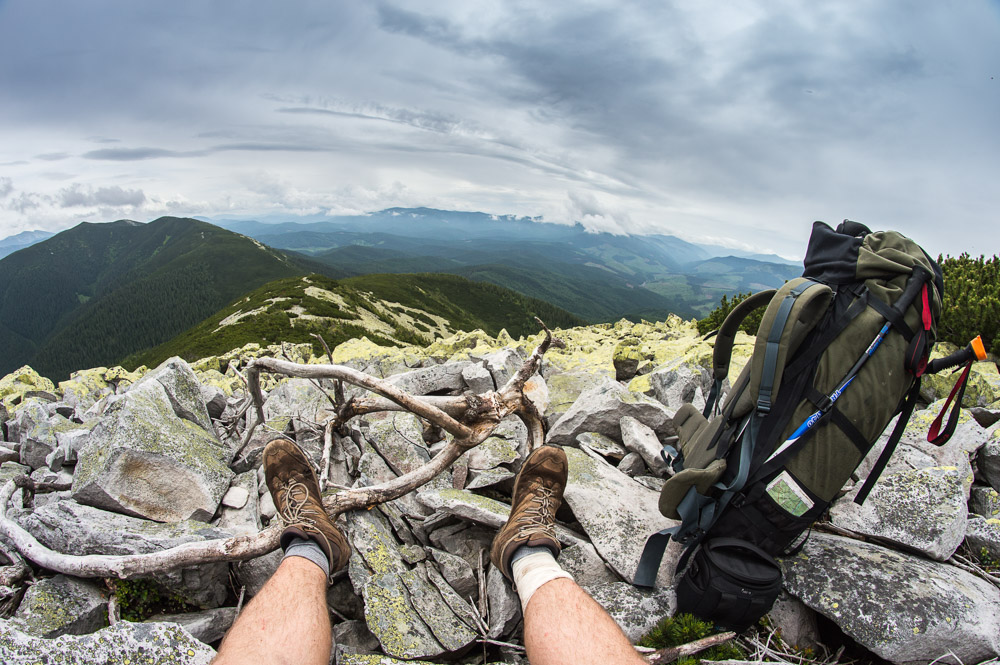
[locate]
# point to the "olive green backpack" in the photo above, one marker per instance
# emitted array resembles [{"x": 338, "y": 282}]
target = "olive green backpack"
[{"x": 838, "y": 354}]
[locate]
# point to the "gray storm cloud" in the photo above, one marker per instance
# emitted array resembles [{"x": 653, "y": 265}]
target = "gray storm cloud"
[{"x": 746, "y": 121}]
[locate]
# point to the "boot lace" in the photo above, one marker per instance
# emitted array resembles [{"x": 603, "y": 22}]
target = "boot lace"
[
  {"x": 539, "y": 516},
  {"x": 297, "y": 508}
]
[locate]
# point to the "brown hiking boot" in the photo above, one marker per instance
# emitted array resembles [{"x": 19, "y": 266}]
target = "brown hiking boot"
[
  {"x": 538, "y": 493},
  {"x": 297, "y": 498}
]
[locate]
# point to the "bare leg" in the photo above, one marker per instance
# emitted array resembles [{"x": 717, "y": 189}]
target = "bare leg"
[
  {"x": 565, "y": 626},
  {"x": 287, "y": 622}
]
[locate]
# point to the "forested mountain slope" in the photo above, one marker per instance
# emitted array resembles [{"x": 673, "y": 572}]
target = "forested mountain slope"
[
  {"x": 387, "y": 309},
  {"x": 95, "y": 293}
]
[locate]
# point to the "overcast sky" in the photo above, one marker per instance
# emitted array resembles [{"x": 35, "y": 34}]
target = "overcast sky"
[{"x": 737, "y": 122}]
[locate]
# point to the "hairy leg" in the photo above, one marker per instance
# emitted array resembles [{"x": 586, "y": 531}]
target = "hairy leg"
[
  {"x": 287, "y": 622},
  {"x": 563, "y": 625}
]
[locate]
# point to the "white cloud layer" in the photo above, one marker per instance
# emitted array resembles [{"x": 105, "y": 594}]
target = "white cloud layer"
[{"x": 742, "y": 122}]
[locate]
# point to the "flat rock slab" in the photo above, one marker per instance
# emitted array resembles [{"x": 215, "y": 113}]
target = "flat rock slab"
[
  {"x": 635, "y": 609},
  {"x": 125, "y": 643},
  {"x": 62, "y": 605},
  {"x": 903, "y": 608},
  {"x": 604, "y": 445},
  {"x": 617, "y": 513},
  {"x": 69, "y": 527},
  {"x": 403, "y": 609},
  {"x": 600, "y": 409},
  {"x": 923, "y": 509},
  {"x": 208, "y": 626},
  {"x": 143, "y": 460}
]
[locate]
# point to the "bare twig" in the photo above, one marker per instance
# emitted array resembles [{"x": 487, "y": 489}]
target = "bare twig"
[{"x": 670, "y": 654}]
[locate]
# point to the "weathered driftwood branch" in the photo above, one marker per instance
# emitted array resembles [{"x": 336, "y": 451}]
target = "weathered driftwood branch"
[
  {"x": 670, "y": 654},
  {"x": 470, "y": 419}
]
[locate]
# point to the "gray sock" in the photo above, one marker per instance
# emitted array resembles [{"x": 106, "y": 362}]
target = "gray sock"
[
  {"x": 524, "y": 551},
  {"x": 308, "y": 549}
]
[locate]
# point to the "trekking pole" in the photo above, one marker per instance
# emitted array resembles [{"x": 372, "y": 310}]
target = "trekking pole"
[
  {"x": 834, "y": 396},
  {"x": 975, "y": 350}
]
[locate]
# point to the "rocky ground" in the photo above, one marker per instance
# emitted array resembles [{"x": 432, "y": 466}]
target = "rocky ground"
[{"x": 144, "y": 461}]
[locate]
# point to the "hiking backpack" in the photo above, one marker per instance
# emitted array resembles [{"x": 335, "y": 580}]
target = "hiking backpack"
[{"x": 839, "y": 353}]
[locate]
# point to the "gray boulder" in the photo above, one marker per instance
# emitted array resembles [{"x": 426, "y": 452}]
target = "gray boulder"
[
  {"x": 478, "y": 379},
  {"x": 617, "y": 513},
  {"x": 69, "y": 443},
  {"x": 504, "y": 604},
  {"x": 922, "y": 509},
  {"x": 983, "y": 538},
  {"x": 632, "y": 465},
  {"x": 183, "y": 390},
  {"x": 601, "y": 408},
  {"x": 457, "y": 572},
  {"x": 586, "y": 566},
  {"x": 295, "y": 399},
  {"x": 566, "y": 387},
  {"x": 62, "y": 605},
  {"x": 683, "y": 384},
  {"x": 353, "y": 637},
  {"x": 29, "y": 413},
  {"x": 43, "y": 438},
  {"x": 243, "y": 519},
  {"x": 504, "y": 364},
  {"x": 208, "y": 626},
  {"x": 988, "y": 459},
  {"x": 445, "y": 378},
  {"x": 121, "y": 644},
  {"x": 72, "y": 528},
  {"x": 984, "y": 501},
  {"x": 214, "y": 399},
  {"x": 634, "y": 609},
  {"x": 142, "y": 460},
  {"x": 901, "y": 607},
  {"x": 641, "y": 439},
  {"x": 796, "y": 622},
  {"x": 604, "y": 445}
]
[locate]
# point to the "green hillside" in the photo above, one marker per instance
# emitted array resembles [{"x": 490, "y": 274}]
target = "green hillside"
[
  {"x": 98, "y": 292},
  {"x": 388, "y": 309}
]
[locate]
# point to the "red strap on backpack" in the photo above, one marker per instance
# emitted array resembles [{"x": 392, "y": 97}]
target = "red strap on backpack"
[
  {"x": 918, "y": 351},
  {"x": 957, "y": 393}
]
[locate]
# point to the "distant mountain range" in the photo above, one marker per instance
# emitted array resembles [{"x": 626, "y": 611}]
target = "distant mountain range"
[
  {"x": 596, "y": 276},
  {"x": 11, "y": 244},
  {"x": 97, "y": 294}
]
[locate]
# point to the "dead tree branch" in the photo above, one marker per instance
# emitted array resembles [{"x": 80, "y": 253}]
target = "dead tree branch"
[{"x": 671, "y": 654}]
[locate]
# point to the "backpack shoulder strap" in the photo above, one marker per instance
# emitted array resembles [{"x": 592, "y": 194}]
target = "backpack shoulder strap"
[{"x": 726, "y": 338}]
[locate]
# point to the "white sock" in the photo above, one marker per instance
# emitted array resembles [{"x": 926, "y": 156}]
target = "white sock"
[{"x": 532, "y": 571}]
